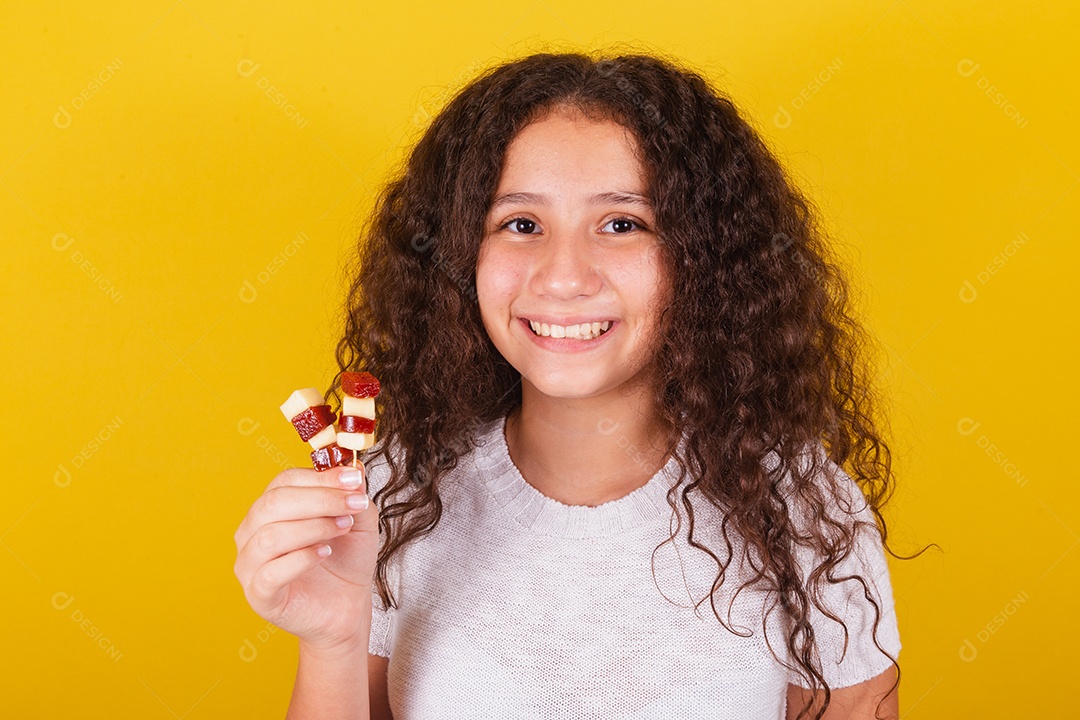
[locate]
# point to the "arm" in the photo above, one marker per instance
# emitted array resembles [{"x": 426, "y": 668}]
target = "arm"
[
  {"x": 333, "y": 683},
  {"x": 857, "y": 702},
  {"x": 377, "y": 682}
]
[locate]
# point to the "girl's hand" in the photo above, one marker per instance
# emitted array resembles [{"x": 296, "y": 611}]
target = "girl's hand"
[{"x": 280, "y": 563}]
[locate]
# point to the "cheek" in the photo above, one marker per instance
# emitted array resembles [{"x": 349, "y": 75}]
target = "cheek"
[
  {"x": 644, "y": 283},
  {"x": 649, "y": 289},
  {"x": 496, "y": 278}
]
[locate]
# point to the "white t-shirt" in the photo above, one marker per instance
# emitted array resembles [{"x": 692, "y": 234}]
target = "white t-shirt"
[{"x": 518, "y": 606}]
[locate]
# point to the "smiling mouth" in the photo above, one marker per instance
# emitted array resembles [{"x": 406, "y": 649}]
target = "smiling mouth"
[{"x": 582, "y": 331}]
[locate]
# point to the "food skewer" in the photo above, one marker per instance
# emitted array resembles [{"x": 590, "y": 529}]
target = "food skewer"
[
  {"x": 356, "y": 426},
  {"x": 315, "y": 421}
]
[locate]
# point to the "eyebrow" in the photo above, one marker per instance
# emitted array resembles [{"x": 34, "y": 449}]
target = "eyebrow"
[{"x": 597, "y": 199}]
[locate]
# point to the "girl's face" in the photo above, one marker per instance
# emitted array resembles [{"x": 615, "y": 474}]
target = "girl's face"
[{"x": 568, "y": 249}]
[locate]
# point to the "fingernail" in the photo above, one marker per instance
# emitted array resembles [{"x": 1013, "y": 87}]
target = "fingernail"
[
  {"x": 350, "y": 478},
  {"x": 344, "y": 521},
  {"x": 357, "y": 502}
]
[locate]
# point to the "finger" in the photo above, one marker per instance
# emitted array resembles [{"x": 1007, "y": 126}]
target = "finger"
[
  {"x": 274, "y": 540},
  {"x": 309, "y": 477},
  {"x": 366, "y": 520},
  {"x": 297, "y": 503},
  {"x": 269, "y": 582},
  {"x": 302, "y": 477}
]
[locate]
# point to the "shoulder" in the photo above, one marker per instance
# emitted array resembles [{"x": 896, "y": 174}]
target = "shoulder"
[
  {"x": 823, "y": 493},
  {"x": 840, "y": 555}
]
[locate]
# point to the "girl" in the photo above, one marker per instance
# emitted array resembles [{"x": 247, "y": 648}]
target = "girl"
[{"x": 628, "y": 464}]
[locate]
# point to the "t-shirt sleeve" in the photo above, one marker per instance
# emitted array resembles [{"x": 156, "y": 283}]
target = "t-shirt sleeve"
[
  {"x": 382, "y": 625},
  {"x": 861, "y": 659},
  {"x": 382, "y": 617}
]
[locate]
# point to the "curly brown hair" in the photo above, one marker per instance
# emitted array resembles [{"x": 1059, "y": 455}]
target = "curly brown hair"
[{"x": 760, "y": 359}]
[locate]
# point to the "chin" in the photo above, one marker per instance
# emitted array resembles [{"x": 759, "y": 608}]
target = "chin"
[{"x": 569, "y": 384}]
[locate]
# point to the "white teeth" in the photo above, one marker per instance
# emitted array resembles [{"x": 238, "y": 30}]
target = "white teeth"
[{"x": 584, "y": 331}]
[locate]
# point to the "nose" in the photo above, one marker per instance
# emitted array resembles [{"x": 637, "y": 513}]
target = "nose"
[{"x": 565, "y": 268}]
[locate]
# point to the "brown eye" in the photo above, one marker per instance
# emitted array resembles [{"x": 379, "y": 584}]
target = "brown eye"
[
  {"x": 522, "y": 225},
  {"x": 623, "y": 225}
]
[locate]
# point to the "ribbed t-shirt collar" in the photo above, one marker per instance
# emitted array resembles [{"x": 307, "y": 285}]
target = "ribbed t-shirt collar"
[{"x": 547, "y": 516}]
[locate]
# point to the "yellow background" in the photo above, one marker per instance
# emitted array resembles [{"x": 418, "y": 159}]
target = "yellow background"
[{"x": 173, "y": 252}]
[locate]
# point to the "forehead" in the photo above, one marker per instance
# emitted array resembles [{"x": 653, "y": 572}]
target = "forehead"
[{"x": 567, "y": 150}]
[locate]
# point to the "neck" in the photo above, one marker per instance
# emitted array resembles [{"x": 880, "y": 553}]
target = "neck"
[{"x": 586, "y": 451}]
